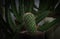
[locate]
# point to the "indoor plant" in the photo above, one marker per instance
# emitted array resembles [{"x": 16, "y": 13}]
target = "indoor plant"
[{"x": 17, "y": 25}]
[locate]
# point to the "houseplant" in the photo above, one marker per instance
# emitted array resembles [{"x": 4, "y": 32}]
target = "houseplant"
[{"x": 17, "y": 25}]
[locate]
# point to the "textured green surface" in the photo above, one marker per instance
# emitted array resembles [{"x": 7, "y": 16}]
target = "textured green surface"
[{"x": 30, "y": 22}]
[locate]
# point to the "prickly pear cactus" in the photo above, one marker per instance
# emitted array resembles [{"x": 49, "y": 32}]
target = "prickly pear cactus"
[{"x": 29, "y": 19}]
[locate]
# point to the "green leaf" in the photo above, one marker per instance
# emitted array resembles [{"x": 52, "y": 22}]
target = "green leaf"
[
  {"x": 21, "y": 10},
  {"x": 21, "y": 13},
  {"x": 21, "y": 7},
  {"x": 43, "y": 5},
  {"x": 41, "y": 16},
  {"x": 11, "y": 23},
  {"x": 47, "y": 25},
  {"x": 29, "y": 4},
  {"x": 14, "y": 9}
]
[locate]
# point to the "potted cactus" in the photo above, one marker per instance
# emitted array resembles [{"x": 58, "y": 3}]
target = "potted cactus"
[{"x": 25, "y": 26}]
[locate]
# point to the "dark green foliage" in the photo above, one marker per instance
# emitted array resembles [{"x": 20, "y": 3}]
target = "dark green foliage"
[
  {"x": 48, "y": 25},
  {"x": 25, "y": 6}
]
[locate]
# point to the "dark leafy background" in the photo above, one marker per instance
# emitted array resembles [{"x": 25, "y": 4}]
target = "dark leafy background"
[{"x": 6, "y": 31}]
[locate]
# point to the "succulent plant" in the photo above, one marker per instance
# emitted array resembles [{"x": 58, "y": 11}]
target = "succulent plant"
[
  {"x": 29, "y": 19},
  {"x": 26, "y": 16},
  {"x": 23, "y": 13}
]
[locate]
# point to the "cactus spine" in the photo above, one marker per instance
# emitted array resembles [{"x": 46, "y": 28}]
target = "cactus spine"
[{"x": 29, "y": 19}]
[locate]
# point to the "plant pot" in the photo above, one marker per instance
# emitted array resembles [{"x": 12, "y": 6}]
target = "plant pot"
[{"x": 26, "y": 35}]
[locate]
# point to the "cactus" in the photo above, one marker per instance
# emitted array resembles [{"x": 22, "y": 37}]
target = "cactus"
[{"x": 29, "y": 19}]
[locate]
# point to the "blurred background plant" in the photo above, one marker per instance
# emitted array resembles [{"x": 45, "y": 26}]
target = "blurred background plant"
[{"x": 10, "y": 26}]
